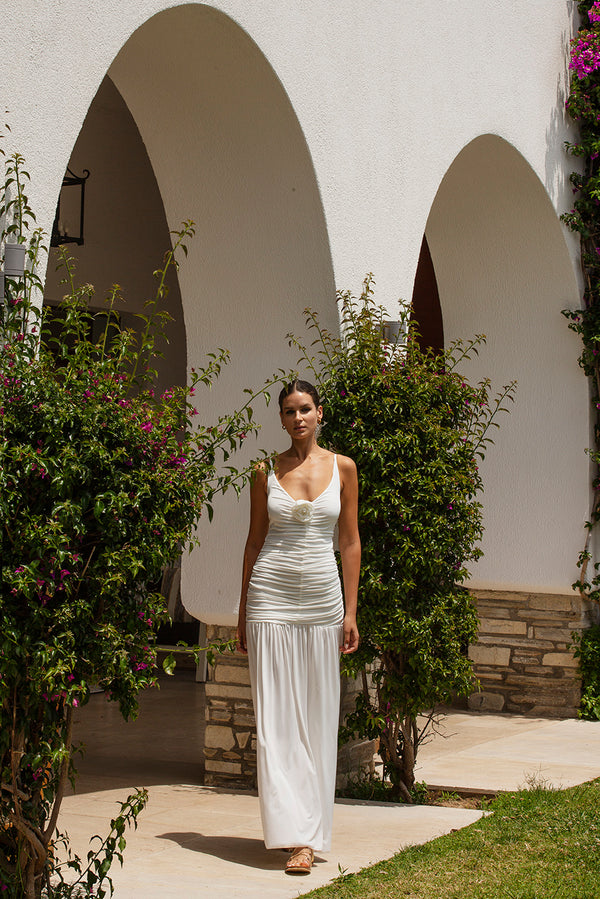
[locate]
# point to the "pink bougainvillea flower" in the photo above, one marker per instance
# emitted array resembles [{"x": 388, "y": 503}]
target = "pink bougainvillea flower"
[{"x": 585, "y": 54}]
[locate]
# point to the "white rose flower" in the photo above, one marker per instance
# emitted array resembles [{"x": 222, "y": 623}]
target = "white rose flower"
[{"x": 302, "y": 510}]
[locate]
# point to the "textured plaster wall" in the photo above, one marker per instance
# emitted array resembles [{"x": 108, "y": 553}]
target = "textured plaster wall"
[
  {"x": 310, "y": 140},
  {"x": 386, "y": 98}
]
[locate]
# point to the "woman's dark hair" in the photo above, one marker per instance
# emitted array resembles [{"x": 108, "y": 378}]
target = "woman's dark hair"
[{"x": 298, "y": 386}]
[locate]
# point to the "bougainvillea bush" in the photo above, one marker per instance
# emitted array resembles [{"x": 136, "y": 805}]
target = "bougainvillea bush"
[
  {"x": 416, "y": 429},
  {"x": 101, "y": 485},
  {"x": 583, "y": 105}
]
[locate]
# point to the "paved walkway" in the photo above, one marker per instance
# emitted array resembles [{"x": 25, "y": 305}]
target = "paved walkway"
[
  {"x": 194, "y": 841},
  {"x": 506, "y": 752}
]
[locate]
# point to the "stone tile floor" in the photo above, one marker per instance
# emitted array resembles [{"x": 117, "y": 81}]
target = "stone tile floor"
[{"x": 193, "y": 841}]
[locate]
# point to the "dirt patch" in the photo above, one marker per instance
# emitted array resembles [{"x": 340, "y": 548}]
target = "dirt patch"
[{"x": 459, "y": 798}]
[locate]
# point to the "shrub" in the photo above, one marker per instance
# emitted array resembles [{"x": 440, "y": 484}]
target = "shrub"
[
  {"x": 588, "y": 652},
  {"x": 416, "y": 429},
  {"x": 101, "y": 485}
]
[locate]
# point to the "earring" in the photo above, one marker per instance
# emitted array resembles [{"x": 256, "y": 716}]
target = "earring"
[{"x": 283, "y": 427}]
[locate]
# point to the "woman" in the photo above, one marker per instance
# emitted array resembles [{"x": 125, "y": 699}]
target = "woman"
[{"x": 293, "y": 624}]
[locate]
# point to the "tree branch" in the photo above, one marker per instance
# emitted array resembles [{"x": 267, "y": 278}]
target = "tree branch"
[{"x": 62, "y": 780}]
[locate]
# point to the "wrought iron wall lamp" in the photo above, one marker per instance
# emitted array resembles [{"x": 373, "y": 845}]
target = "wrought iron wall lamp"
[{"x": 62, "y": 229}]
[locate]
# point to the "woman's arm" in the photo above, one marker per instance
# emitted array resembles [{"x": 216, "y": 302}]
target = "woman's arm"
[
  {"x": 259, "y": 525},
  {"x": 349, "y": 543}
]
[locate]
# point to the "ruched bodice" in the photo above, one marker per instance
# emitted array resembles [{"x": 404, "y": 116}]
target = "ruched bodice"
[{"x": 295, "y": 578}]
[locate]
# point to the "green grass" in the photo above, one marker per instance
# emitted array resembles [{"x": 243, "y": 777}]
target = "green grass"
[{"x": 535, "y": 844}]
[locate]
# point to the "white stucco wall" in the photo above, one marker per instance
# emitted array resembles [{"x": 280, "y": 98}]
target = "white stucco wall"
[{"x": 386, "y": 97}]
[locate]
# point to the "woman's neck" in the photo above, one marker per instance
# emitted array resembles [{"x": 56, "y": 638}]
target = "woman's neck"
[{"x": 302, "y": 449}]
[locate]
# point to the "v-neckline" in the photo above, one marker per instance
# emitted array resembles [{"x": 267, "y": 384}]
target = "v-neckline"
[{"x": 302, "y": 500}]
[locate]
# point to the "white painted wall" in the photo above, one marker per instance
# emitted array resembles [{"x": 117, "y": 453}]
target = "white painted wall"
[{"x": 386, "y": 97}]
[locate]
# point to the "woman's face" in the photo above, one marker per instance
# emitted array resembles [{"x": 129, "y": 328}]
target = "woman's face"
[{"x": 299, "y": 415}]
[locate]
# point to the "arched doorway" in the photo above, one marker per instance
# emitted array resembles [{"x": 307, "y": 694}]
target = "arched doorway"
[
  {"x": 503, "y": 269},
  {"x": 228, "y": 151},
  {"x": 126, "y": 236},
  {"x": 223, "y": 147},
  {"x": 126, "y": 232},
  {"x": 221, "y": 144}
]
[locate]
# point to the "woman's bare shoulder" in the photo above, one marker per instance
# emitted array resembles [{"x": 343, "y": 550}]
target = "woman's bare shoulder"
[
  {"x": 348, "y": 473},
  {"x": 346, "y": 465}
]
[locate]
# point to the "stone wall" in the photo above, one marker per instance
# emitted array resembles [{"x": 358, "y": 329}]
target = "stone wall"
[
  {"x": 524, "y": 656},
  {"x": 355, "y": 758},
  {"x": 230, "y": 746},
  {"x": 523, "y": 660}
]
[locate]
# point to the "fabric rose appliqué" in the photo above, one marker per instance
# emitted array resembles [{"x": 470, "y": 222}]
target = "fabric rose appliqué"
[{"x": 302, "y": 510}]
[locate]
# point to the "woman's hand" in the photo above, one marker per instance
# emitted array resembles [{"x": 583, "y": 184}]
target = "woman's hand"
[
  {"x": 241, "y": 638},
  {"x": 351, "y": 636}
]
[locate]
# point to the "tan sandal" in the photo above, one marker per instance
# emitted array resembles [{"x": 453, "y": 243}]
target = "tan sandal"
[{"x": 300, "y": 861}]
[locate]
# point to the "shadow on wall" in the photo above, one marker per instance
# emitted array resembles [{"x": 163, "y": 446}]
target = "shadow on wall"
[
  {"x": 126, "y": 232},
  {"x": 561, "y": 126}
]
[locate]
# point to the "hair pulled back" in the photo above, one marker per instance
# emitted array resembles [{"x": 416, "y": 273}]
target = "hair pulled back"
[{"x": 298, "y": 386}]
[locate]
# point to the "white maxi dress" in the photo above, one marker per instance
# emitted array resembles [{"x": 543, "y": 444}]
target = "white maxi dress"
[{"x": 294, "y": 618}]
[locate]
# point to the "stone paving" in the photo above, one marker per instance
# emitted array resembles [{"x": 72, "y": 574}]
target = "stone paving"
[{"x": 195, "y": 841}]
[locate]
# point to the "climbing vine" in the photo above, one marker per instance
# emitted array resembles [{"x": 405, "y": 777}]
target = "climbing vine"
[{"x": 583, "y": 105}]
